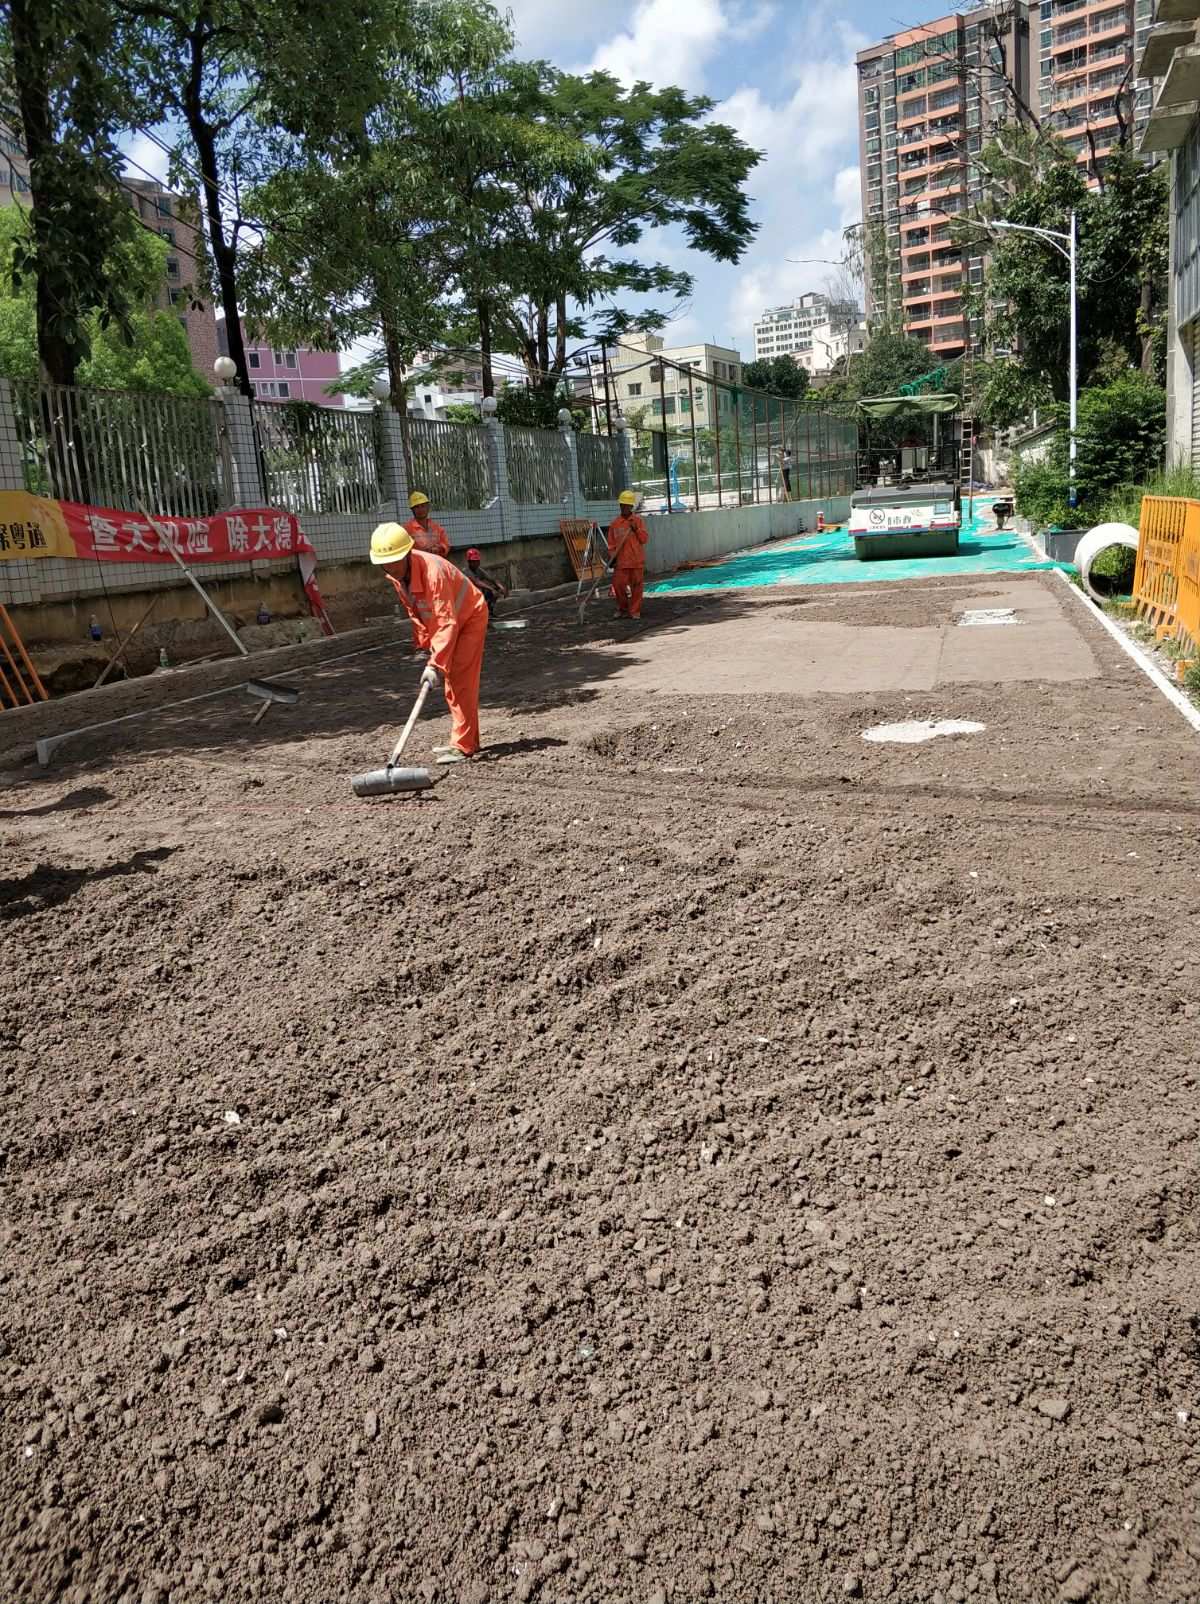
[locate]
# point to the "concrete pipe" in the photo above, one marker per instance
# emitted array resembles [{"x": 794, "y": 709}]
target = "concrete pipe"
[{"x": 1102, "y": 538}]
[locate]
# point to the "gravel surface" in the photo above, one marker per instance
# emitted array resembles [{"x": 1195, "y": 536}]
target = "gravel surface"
[{"x": 695, "y": 1154}]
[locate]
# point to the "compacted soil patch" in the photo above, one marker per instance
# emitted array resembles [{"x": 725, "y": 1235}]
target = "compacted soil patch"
[{"x": 695, "y": 1154}]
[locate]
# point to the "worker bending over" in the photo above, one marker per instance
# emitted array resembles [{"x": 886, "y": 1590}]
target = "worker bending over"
[
  {"x": 627, "y": 539},
  {"x": 450, "y": 620},
  {"x": 427, "y": 536},
  {"x": 491, "y": 587}
]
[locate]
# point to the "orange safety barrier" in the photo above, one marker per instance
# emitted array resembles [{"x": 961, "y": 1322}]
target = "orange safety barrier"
[
  {"x": 575, "y": 533},
  {"x": 1156, "y": 578},
  {"x": 20, "y": 682},
  {"x": 1187, "y": 623}
]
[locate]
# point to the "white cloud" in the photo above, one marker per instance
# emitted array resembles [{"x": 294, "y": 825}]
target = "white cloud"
[
  {"x": 144, "y": 159},
  {"x": 676, "y": 41}
]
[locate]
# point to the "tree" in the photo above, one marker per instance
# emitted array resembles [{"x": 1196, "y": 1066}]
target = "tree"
[
  {"x": 1023, "y": 303},
  {"x": 65, "y": 92},
  {"x": 1120, "y": 442},
  {"x": 779, "y": 375},
  {"x": 892, "y": 360},
  {"x": 386, "y": 234},
  {"x": 563, "y": 258},
  {"x": 149, "y": 352},
  {"x": 216, "y": 66},
  {"x": 461, "y": 412}
]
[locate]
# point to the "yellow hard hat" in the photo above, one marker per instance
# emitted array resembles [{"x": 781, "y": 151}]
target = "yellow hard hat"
[
  {"x": 418, "y": 499},
  {"x": 390, "y": 543},
  {"x": 627, "y": 498}
]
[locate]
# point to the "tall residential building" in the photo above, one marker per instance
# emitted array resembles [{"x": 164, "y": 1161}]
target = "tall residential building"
[
  {"x": 1085, "y": 81},
  {"x": 638, "y": 383},
  {"x": 288, "y": 375},
  {"x": 928, "y": 97},
  {"x": 814, "y": 329},
  {"x": 176, "y": 219}
]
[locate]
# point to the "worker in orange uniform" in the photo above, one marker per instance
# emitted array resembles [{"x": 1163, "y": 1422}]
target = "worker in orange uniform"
[
  {"x": 427, "y": 536},
  {"x": 627, "y": 539},
  {"x": 450, "y": 620}
]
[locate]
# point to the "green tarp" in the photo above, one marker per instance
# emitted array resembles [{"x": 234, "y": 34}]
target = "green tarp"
[{"x": 894, "y": 406}]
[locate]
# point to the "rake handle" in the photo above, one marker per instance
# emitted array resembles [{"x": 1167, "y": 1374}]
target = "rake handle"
[{"x": 408, "y": 728}]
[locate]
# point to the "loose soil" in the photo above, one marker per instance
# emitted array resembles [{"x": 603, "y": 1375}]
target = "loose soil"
[{"x": 694, "y": 1153}]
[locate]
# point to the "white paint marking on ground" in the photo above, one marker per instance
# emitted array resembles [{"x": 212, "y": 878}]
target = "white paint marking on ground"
[
  {"x": 987, "y": 617},
  {"x": 922, "y": 729}
]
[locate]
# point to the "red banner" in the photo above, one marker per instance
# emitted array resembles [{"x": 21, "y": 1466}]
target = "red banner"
[{"x": 33, "y": 526}]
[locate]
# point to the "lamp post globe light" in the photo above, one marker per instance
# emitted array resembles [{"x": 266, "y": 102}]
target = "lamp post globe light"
[
  {"x": 564, "y": 417},
  {"x": 225, "y": 369},
  {"x": 380, "y": 388},
  {"x": 488, "y": 406}
]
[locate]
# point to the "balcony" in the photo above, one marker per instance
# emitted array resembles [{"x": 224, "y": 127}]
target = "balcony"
[
  {"x": 1182, "y": 82},
  {"x": 1110, "y": 22},
  {"x": 1165, "y": 39},
  {"x": 917, "y": 292},
  {"x": 1114, "y": 52},
  {"x": 1178, "y": 11},
  {"x": 1068, "y": 36}
]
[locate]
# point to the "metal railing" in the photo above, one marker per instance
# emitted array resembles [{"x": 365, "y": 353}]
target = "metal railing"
[
  {"x": 601, "y": 466},
  {"x": 122, "y": 448},
  {"x": 318, "y": 459},
  {"x": 538, "y": 469},
  {"x": 452, "y": 463}
]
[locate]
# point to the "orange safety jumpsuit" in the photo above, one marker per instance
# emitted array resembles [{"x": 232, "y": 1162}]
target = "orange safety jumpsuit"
[
  {"x": 627, "y": 539},
  {"x": 428, "y": 537},
  {"x": 450, "y": 620}
]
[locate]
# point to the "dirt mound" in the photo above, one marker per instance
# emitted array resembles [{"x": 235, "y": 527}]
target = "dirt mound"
[{"x": 599, "y": 1182}]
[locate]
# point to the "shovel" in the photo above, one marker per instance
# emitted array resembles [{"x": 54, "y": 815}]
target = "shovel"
[
  {"x": 390, "y": 781},
  {"x": 265, "y": 692}
]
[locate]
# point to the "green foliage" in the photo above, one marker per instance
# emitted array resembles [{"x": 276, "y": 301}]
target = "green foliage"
[
  {"x": 779, "y": 375},
  {"x": 1120, "y": 442},
  {"x": 1124, "y": 503},
  {"x": 461, "y": 412},
  {"x": 891, "y": 360},
  {"x": 66, "y": 91},
  {"x": 538, "y": 409},
  {"x": 1024, "y": 301},
  {"x": 1007, "y": 393},
  {"x": 149, "y": 351}
]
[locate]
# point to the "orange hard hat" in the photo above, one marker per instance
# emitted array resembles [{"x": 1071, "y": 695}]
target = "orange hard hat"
[{"x": 473, "y": 554}]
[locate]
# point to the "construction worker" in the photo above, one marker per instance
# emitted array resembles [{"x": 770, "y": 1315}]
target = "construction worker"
[
  {"x": 427, "y": 536},
  {"x": 627, "y": 539},
  {"x": 493, "y": 589},
  {"x": 450, "y": 620}
]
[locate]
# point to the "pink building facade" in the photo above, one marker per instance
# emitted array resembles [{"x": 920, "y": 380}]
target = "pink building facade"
[{"x": 289, "y": 375}]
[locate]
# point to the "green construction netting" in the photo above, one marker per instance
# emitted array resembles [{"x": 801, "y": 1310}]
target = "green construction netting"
[{"x": 893, "y": 406}]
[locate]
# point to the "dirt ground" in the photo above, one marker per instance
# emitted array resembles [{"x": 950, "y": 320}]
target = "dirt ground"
[{"x": 694, "y": 1154}]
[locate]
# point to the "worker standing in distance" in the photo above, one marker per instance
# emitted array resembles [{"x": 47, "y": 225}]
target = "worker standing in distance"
[
  {"x": 427, "y": 536},
  {"x": 450, "y": 620},
  {"x": 627, "y": 537}
]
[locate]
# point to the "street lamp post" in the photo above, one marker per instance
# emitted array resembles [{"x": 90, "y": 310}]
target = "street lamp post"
[{"x": 1066, "y": 245}]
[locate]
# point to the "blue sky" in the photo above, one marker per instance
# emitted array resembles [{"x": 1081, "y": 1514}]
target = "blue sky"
[{"x": 782, "y": 73}]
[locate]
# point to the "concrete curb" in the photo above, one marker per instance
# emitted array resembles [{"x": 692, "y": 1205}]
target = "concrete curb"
[{"x": 1154, "y": 674}]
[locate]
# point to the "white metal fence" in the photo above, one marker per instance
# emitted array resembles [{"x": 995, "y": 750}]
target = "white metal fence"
[
  {"x": 601, "y": 466},
  {"x": 451, "y": 462},
  {"x": 123, "y": 448},
  {"x": 539, "y": 469},
  {"x": 318, "y": 459}
]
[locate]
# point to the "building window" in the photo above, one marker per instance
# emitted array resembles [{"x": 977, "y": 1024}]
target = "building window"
[
  {"x": 162, "y": 205},
  {"x": 169, "y": 235},
  {"x": 172, "y": 267},
  {"x": 635, "y": 389},
  {"x": 289, "y": 359},
  {"x": 175, "y": 296},
  {"x": 253, "y": 358},
  {"x": 428, "y": 400},
  {"x": 277, "y": 358},
  {"x": 284, "y": 389}
]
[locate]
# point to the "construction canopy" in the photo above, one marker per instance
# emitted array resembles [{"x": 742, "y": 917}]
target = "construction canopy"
[{"x": 893, "y": 406}]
